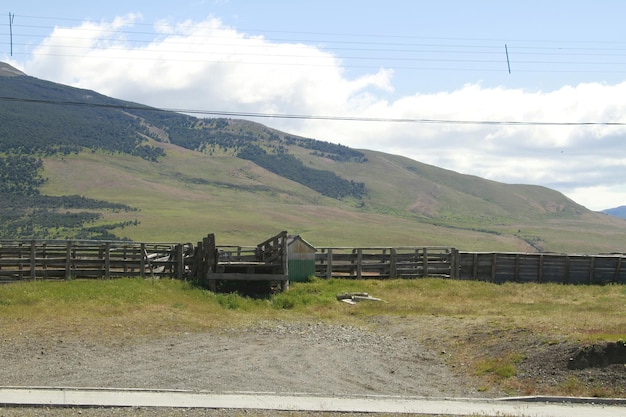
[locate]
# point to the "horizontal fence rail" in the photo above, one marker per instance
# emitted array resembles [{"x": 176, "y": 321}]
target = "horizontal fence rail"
[{"x": 386, "y": 262}]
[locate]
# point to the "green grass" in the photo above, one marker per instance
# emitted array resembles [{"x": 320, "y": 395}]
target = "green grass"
[{"x": 502, "y": 367}]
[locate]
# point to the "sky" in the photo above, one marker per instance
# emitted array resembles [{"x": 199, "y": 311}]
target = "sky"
[{"x": 530, "y": 92}]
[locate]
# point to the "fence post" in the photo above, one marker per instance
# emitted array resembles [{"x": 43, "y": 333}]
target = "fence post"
[
  {"x": 44, "y": 264},
  {"x": 68, "y": 260},
  {"x": 494, "y": 263},
  {"x": 393, "y": 272},
  {"x": 144, "y": 258},
  {"x": 592, "y": 267},
  {"x": 180, "y": 266},
  {"x": 284, "y": 253},
  {"x": 617, "y": 270},
  {"x": 454, "y": 263},
  {"x": 359, "y": 263},
  {"x": 329, "y": 263},
  {"x": 210, "y": 259},
  {"x": 425, "y": 261},
  {"x": 107, "y": 260},
  {"x": 475, "y": 266},
  {"x": 566, "y": 270},
  {"x": 540, "y": 272},
  {"x": 33, "y": 251}
]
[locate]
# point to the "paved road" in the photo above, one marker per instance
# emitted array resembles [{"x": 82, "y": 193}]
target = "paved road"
[{"x": 536, "y": 407}]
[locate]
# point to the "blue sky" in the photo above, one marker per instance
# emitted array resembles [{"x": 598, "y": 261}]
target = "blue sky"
[{"x": 416, "y": 60}]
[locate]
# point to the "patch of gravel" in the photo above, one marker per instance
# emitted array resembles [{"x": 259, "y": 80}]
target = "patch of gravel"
[
  {"x": 277, "y": 357},
  {"x": 399, "y": 356}
]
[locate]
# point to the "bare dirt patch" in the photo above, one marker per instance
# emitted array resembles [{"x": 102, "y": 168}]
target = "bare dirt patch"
[
  {"x": 518, "y": 361},
  {"x": 572, "y": 368}
]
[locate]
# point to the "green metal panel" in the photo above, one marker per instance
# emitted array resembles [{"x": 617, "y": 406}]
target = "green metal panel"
[{"x": 301, "y": 269}]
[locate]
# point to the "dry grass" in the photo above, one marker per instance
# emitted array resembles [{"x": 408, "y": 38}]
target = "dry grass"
[
  {"x": 483, "y": 328},
  {"x": 583, "y": 313}
]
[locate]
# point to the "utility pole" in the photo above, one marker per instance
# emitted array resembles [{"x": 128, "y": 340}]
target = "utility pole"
[{"x": 11, "y": 17}]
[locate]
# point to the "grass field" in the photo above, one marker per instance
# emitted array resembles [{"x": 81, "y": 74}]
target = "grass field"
[
  {"x": 189, "y": 194},
  {"x": 462, "y": 316}
]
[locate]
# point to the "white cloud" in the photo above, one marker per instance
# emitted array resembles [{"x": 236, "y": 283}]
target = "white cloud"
[
  {"x": 599, "y": 197},
  {"x": 206, "y": 65}
]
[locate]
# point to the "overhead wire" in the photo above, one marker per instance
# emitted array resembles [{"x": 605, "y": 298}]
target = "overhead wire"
[
  {"x": 343, "y": 34},
  {"x": 466, "y": 49},
  {"x": 430, "y": 48}
]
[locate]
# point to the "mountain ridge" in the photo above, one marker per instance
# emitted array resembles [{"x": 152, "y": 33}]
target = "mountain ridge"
[
  {"x": 238, "y": 168},
  {"x": 616, "y": 211}
]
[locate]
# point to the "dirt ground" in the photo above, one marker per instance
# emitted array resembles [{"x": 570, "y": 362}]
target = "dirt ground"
[
  {"x": 389, "y": 356},
  {"x": 275, "y": 357}
]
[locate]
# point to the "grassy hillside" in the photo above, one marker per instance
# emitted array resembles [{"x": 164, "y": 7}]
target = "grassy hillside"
[
  {"x": 151, "y": 175},
  {"x": 189, "y": 194}
]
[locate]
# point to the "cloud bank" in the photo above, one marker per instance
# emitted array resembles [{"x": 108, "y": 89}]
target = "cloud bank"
[{"x": 206, "y": 65}]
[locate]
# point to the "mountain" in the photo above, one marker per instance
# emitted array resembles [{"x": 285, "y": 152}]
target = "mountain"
[
  {"x": 75, "y": 163},
  {"x": 617, "y": 212}
]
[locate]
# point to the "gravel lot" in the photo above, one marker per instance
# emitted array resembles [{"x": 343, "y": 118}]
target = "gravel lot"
[
  {"x": 400, "y": 356},
  {"x": 312, "y": 358},
  {"x": 277, "y": 357}
]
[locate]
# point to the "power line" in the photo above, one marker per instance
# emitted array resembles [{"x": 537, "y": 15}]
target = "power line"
[
  {"x": 428, "y": 49},
  {"x": 323, "y": 44},
  {"x": 377, "y": 62},
  {"x": 495, "y": 41},
  {"x": 311, "y": 117}
]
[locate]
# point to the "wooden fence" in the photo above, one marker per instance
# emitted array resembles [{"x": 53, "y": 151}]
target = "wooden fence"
[
  {"x": 206, "y": 263},
  {"x": 38, "y": 259},
  {"x": 542, "y": 267},
  {"x": 386, "y": 262},
  {"x": 412, "y": 262}
]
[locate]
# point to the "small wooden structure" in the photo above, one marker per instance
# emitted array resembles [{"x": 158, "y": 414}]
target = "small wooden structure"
[
  {"x": 266, "y": 261},
  {"x": 300, "y": 259}
]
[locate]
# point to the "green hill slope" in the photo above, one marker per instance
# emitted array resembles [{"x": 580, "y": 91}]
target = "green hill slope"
[{"x": 149, "y": 175}]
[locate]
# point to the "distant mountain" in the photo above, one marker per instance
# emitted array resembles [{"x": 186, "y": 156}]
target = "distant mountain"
[
  {"x": 8, "y": 71},
  {"x": 617, "y": 212},
  {"x": 75, "y": 163}
]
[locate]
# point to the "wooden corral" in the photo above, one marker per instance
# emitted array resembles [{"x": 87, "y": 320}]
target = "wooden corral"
[
  {"x": 266, "y": 261},
  {"x": 208, "y": 263}
]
